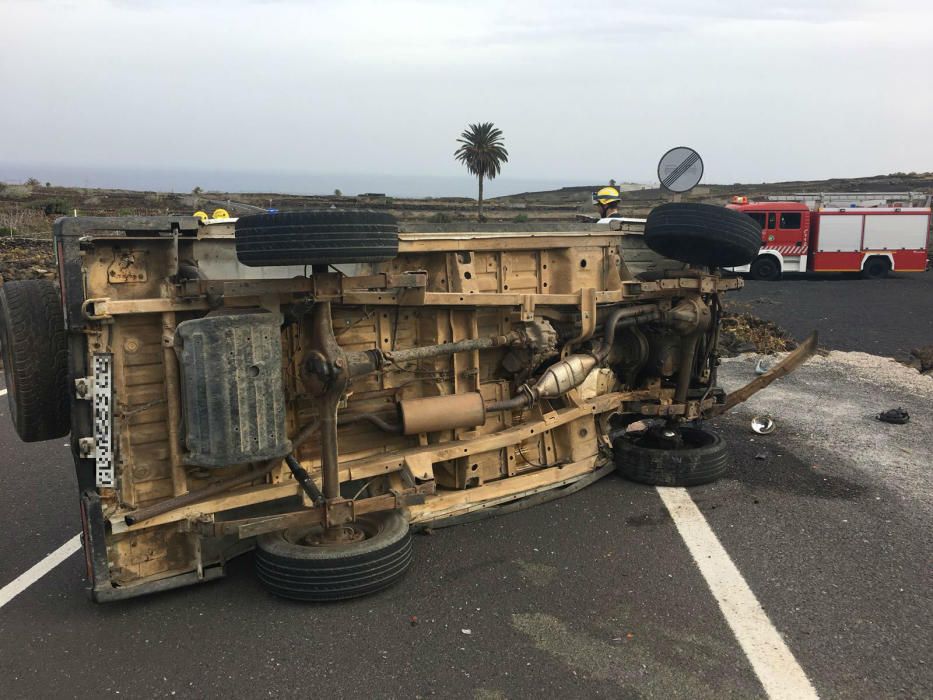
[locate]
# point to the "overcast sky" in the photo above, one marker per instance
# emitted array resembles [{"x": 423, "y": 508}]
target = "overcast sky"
[{"x": 781, "y": 89}]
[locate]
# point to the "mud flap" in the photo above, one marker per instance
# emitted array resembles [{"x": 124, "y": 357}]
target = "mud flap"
[{"x": 94, "y": 539}]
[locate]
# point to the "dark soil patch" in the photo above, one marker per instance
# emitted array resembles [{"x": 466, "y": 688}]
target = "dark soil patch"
[{"x": 26, "y": 259}]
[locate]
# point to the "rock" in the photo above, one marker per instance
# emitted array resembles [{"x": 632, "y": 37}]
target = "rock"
[{"x": 924, "y": 356}]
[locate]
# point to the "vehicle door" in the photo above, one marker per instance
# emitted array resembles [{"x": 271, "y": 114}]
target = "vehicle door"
[
  {"x": 769, "y": 229},
  {"x": 761, "y": 218},
  {"x": 789, "y": 232}
]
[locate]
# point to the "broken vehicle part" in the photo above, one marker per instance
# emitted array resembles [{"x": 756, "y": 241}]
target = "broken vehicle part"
[
  {"x": 897, "y": 416},
  {"x": 763, "y": 425}
]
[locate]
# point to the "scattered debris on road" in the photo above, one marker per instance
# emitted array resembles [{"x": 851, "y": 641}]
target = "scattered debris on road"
[
  {"x": 762, "y": 366},
  {"x": 840, "y": 432},
  {"x": 897, "y": 416},
  {"x": 763, "y": 424}
]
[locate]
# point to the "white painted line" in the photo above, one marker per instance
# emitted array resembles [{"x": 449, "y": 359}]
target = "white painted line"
[
  {"x": 2, "y": 392},
  {"x": 772, "y": 661},
  {"x": 26, "y": 579}
]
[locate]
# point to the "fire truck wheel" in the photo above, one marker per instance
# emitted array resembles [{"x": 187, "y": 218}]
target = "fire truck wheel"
[
  {"x": 703, "y": 234},
  {"x": 369, "y": 555},
  {"x": 766, "y": 267},
  {"x": 703, "y": 458},
  {"x": 35, "y": 359},
  {"x": 316, "y": 238},
  {"x": 876, "y": 268}
]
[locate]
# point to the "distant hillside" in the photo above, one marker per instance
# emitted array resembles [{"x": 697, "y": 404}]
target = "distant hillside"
[
  {"x": 895, "y": 182},
  {"x": 564, "y": 195}
]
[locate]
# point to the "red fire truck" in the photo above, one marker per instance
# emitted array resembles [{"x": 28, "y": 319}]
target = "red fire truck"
[{"x": 872, "y": 241}]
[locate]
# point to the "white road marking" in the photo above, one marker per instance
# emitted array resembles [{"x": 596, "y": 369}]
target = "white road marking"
[
  {"x": 2, "y": 392},
  {"x": 27, "y": 578},
  {"x": 772, "y": 661}
]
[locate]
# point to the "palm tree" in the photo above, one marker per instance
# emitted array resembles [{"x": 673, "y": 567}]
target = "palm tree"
[{"x": 483, "y": 153}]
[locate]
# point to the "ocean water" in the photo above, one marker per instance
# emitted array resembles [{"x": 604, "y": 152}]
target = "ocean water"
[{"x": 282, "y": 182}]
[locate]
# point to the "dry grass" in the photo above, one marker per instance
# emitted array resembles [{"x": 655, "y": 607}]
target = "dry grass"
[{"x": 747, "y": 333}]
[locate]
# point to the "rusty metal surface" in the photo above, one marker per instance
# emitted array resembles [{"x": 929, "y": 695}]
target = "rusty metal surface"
[{"x": 327, "y": 381}]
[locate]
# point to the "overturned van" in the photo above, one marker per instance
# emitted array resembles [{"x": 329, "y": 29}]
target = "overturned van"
[{"x": 314, "y": 385}]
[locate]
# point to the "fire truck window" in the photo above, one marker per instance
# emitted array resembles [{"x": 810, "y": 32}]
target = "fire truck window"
[
  {"x": 758, "y": 217},
  {"x": 790, "y": 220},
  {"x": 771, "y": 220}
]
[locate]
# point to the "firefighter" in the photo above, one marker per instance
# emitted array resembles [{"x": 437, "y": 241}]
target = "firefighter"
[{"x": 607, "y": 199}]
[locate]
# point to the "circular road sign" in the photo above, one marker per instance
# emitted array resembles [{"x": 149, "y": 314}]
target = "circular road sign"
[{"x": 680, "y": 169}]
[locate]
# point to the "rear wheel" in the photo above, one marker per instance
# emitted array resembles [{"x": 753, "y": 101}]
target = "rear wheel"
[
  {"x": 327, "y": 237},
  {"x": 702, "y": 234},
  {"x": 876, "y": 268},
  {"x": 35, "y": 359},
  {"x": 671, "y": 457},
  {"x": 356, "y": 559},
  {"x": 766, "y": 267}
]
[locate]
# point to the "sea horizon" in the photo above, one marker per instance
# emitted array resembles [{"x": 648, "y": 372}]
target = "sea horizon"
[{"x": 184, "y": 180}]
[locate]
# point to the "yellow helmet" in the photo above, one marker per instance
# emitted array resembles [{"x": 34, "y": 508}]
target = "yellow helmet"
[{"x": 607, "y": 195}]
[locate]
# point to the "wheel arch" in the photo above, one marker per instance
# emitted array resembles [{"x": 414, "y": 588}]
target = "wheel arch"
[
  {"x": 773, "y": 253},
  {"x": 867, "y": 256}
]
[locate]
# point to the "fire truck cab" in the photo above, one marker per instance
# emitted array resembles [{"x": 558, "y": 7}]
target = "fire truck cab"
[{"x": 872, "y": 241}]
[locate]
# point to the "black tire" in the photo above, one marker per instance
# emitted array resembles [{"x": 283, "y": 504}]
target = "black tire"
[
  {"x": 703, "y": 234},
  {"x": 766, "y": 267},
  {"x": 316, "y": 238},
  {"x": 35, "y": 359},
  {"x": 703, "y": 459},
  {"x": 876, "y": 268},
  {"x": 321, "y": 573}
]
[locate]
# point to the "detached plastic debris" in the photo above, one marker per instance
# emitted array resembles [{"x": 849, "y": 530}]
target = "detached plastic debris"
[
  {"x": 763, "y": 424},
  {"x": 762, "y": 366},
  {"x": 898, "y": 416}
]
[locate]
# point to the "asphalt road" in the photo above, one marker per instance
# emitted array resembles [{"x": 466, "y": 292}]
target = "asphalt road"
[
  {"x": 592, "y": 595},
  {"x": 882, "y": 317}
]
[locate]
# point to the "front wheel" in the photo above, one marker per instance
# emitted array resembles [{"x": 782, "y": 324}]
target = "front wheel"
[
  {"x": 355, "y": 559},
  {"x": 666, "y": 458},
  {"x": 766, "y": 268}
]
